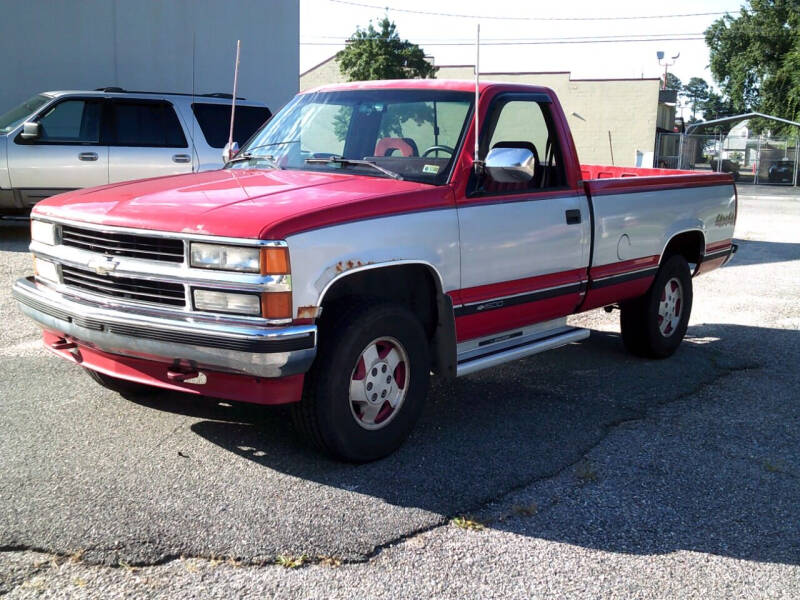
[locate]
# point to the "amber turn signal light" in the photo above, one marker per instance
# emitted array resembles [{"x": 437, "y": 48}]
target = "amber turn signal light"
[
  {"x": 275, "y": 261},
  {"x": 276, "y": 305}
]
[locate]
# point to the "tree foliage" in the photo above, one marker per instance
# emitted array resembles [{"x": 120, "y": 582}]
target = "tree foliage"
[
  {"x": 673, "y": 82},
  {"x": 380, "y": 54},
  {"x": 755, "y": 58},
  {"x": 696, "y": 92}
]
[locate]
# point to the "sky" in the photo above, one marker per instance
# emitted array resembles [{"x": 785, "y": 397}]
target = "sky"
[{"x": 325, "y": 24}]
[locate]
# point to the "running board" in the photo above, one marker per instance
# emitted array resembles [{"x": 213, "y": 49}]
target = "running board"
[{"x": 503, "y": 356}]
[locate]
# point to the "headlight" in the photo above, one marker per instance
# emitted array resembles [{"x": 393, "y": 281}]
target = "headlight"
[
  {"x": 44, "y": 269},
  {"x": 226, "y": 258},
  {"x": 227, "y": 302},
  {"x": 46, "y": 233}
]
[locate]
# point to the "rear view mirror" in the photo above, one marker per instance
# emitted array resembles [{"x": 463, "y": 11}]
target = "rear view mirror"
[
  {"x": 30, "y": 130},
  {"x": 510, "y": 165},
  {"x": 229, "y": 151}
]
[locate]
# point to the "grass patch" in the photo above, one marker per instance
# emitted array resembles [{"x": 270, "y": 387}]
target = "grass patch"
[
  {"x": 468, "y": 523},
  {"x": 586, "y": 472},
  {"x": 287, "y": 561},
  {"x": 525, "y": 510}
]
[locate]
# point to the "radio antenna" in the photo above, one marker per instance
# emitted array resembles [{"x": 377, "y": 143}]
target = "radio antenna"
[
  {"x": 477, "y": 159},
  {"x": 229, "y": 147}
]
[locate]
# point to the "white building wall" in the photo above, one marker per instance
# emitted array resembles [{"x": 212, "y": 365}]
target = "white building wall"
[
  {"x": 147, "y": 45},
  {"x": 628, "y": 108}
]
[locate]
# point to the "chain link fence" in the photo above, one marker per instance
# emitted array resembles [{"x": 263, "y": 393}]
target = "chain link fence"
[{"x": 760, "y": 160}]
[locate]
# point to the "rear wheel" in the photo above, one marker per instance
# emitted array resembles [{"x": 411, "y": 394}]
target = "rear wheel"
[
  {"x": 121, "y": 386},
  {"x": 368, "y": 384},
  {"x": 654, "y": 325}
]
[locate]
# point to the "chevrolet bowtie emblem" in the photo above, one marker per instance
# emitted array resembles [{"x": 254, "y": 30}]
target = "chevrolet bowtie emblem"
[{"x": 102, "y": 266}]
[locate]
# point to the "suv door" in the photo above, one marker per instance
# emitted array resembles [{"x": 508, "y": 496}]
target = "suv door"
[
  {"x": 524, "y": 246},
  {"x": 68, "y": 154},
  {"x": 146, "y": 140}
]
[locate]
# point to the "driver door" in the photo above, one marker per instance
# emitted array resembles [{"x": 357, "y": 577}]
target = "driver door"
[
  {"x": 68, "y": 153},
  {"x": 524, "y": 246}
]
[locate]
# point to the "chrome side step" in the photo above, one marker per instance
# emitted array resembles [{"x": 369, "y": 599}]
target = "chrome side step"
[{"x": 503, "y": 356}]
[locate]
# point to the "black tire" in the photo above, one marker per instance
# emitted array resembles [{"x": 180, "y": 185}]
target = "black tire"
[
  {"x": 326, "y": 416},
  {"x": 639, "y": 318},
  {"x": 121, "y": 386}
]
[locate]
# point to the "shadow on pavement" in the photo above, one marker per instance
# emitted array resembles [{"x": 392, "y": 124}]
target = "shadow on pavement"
[
  {"x": 14, "y": 236},
  {"x": 495, "y": 432},
  {"x": 755, "y": 253}
]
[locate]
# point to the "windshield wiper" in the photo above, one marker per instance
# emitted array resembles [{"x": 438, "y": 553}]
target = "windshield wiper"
[
  {"x": 353, "y": 161},
  {"x": 248, "y": 154},
  {"x": 268, "y": 158}
]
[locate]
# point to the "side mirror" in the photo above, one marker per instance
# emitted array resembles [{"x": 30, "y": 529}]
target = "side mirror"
[
  {"x": 229, "y": 151},
  {"x": 30, "y": 131},
  {"x": 510, "y": 165}
]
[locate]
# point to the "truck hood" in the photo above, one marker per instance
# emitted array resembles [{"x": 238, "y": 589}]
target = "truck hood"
[{"x": 240, "y": 203}]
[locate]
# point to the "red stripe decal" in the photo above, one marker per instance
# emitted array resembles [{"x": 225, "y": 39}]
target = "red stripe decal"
[
  {"x": 518, "y": 286},
  {"x": 503, "y": 319},
  {"x": 724, "y": 244},
  {"x": 624, "y": 266},
  {"x": 611, "y": 294}
]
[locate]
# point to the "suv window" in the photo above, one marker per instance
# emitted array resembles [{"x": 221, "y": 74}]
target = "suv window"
[
  {"x": 143, "y": 123},
  {"x": 71, "y": 121},
  {"x": 215, "y": 122}
]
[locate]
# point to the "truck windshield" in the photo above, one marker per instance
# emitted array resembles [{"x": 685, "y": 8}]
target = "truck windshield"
[
  {"x": 19, "y": 113},
  {"x": 411, "y": 134}
]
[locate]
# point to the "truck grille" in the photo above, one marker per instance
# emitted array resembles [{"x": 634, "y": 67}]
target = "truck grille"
[
  {"x": 156, "y": 292},
  {"x": 123, "y": 244}
]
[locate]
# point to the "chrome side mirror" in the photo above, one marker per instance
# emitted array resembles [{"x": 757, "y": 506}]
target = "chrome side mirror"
[
  {"x": 229, "y": 151},
  {"x": 30, "y": 131},
  {"x": 510, "y": 165}
]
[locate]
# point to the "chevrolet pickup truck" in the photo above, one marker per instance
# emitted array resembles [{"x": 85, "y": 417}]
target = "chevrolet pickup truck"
[{"x": 356, "y": 245}]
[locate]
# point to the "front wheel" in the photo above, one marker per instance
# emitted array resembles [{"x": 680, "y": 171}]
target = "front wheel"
[
  {"x": 368, "y": 384},
  {"x": 654, "y": 325}
]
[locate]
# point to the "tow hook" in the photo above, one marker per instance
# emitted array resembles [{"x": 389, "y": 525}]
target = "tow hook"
[
  {"x": 186, "y": 375},
  {"x": 63, "y": 344},
  {"x": 611, "y": 307}
]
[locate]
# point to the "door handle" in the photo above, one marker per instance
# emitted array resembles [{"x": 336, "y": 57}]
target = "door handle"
[
  {"x": 573, "y": 216},
  {"x": 181, "y": 158},
  {"x": 90, "y": 156}
]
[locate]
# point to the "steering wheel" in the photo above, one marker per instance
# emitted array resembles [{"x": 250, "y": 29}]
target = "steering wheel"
[{"x": 447, "y": 149}]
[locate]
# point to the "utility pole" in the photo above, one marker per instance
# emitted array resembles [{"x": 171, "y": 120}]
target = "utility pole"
[{"x": 666, "y": 65}]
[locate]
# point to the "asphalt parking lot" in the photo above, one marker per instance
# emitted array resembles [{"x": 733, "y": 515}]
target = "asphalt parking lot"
[{"x": 580, "y": 473}]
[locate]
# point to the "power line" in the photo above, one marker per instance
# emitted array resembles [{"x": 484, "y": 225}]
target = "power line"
[
  {"x": 344, "y": 39},
  {"x": 540, "y": 42},
  {"x": 500, "y": 18}
]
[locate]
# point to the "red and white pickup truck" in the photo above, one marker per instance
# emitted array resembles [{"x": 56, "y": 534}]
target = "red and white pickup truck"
[{"x": 355, "y": 245}]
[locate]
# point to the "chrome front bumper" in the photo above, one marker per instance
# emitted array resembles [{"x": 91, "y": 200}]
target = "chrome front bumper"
[{"x": 214, "y": 345}]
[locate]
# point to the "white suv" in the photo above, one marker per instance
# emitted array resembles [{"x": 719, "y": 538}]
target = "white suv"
[{"x": 59, "y": 141}]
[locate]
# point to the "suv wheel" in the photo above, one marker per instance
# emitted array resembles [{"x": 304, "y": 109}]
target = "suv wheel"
[{"x": 368, "y": 384}]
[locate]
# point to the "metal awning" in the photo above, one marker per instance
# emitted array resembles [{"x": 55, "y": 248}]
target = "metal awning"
[{"x": 741, "y": 117}]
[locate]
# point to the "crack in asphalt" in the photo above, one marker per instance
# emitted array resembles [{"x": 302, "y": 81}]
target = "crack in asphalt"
[{"x": 445, "y": 520}]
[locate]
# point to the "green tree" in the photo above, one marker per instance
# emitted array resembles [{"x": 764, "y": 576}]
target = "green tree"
[
  {"x": 381, "y": 54},
  {"x": 696, "y": 91},
  {"x": 673, "y": 82},
  {"x": 755, "y": 58}
]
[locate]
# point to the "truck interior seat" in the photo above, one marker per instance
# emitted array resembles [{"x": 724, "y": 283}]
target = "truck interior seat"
[{"x": 389, "y": 145}]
